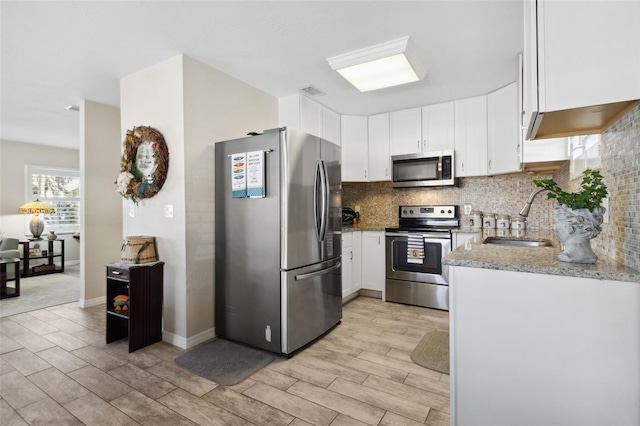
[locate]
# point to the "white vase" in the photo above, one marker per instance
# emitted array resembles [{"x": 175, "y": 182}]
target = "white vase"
[{"x": 575, "y": 229}]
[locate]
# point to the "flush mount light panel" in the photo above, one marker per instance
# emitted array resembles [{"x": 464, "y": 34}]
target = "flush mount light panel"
[{"x": 384, "y": 65}]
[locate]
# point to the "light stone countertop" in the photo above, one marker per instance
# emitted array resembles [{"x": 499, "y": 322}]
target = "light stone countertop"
[
  {"x": 540, "y": 260},
  {"x": 363, "y": 228}
]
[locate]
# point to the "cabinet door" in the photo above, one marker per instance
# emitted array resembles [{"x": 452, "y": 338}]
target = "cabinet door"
[
  {"x": 310, "y": 116},
  {"x": 405, "y": 128},
  {"x": 379, "y": 156},
  {"x": 347, "y": 264},
  {"x": 438, "y": 128},
  {"x": 354, "y": 148},
  {"x": 471, "y": 136},
  {"x": 594, "y": 62},
  {"x": 373, "y": 260},
  {"x": 330, "y": 125},
  {"x": 503, "y": 145},
  {"x": 356, "y": 250}
]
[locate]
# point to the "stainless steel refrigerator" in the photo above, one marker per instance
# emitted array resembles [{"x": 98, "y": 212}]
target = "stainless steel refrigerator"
[{"x": 278, "y": 278}]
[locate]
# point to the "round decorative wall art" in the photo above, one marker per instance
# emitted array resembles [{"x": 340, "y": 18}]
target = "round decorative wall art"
[{"x": 144, "y": 164}]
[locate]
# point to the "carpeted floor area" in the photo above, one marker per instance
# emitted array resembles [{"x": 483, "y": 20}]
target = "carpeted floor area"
[{"x": 44, "y": 291}]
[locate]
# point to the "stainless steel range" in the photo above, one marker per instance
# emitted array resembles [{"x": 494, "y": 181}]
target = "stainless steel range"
[{"x": 415, "y": 274}]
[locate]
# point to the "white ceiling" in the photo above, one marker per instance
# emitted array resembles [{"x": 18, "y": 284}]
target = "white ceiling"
[{"x": 60, "y": 52}]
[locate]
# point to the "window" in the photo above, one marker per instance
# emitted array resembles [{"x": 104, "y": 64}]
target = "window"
[
  {"x": 585, "y": 154},
  {"x": 61, "y": 189}
]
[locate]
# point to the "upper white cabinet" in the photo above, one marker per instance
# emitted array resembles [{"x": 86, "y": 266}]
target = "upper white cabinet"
[
  {"x": 302, "y": 113},
  {"x": 438, "y": 130},
  {"x": 331, "y": 125},
  {"x": 430, "y": 128},
  {"x": 593, "y": 63},
  {"x": 355, "y": 159},
  {"x": 379, "y": 157},
  {"x": 406, "y": 131},
  {"x": 504, "y": 145},
  {"x": 471, "y": 136}
]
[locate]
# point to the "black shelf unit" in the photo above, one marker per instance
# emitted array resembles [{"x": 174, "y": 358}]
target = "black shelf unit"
[
  {"x": 48, "y": 268},
  {"x": 142, "y": 322}
]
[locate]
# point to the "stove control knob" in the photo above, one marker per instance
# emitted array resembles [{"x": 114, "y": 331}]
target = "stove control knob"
[
  {"x": 449, "y": 212},
  {"x": 404, "y": 211},
  {"x": 411, "y": 211},
  {"x": 442, "y": 211}
]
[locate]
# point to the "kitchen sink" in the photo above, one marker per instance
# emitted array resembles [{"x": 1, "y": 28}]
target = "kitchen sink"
[{"x": 517, "y": 243}]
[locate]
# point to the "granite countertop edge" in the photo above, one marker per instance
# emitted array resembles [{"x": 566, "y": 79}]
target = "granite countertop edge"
[{"x": 539, "y": 260}]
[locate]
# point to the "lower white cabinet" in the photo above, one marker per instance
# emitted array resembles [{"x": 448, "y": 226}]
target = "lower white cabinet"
[
  {"x": 373, "y": 260},
  {"x": 351, "y": 262}
]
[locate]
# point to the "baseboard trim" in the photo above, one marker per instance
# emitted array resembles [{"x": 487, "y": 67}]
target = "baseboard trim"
[
  {"x": 190, "y": 342},
  {"x": 88, "y": 303}
]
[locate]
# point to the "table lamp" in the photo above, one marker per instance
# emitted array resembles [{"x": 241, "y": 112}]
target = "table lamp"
[{"x": 35, "y": 208}]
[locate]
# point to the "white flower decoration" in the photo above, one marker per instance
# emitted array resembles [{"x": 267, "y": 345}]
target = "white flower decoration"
[{"x": 123, "y": 181}]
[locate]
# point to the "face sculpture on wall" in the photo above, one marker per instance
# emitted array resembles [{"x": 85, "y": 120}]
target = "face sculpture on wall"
[
  {"x": 144, "y": 164},
  {"x": 575, "y": 229}
]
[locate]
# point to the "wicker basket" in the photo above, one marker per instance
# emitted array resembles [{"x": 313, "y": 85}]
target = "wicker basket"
[{"x": 138, "y": 249}]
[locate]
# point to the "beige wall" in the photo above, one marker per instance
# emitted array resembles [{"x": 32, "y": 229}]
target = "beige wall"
[
  {"x": 14, "y": 158},
  {"x": 101, "y": 232},
  {"x": 193, "y": 106}
]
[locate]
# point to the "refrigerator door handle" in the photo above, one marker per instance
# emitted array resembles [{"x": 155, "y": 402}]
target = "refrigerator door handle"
[
  {"x": 316, "y": 273},
  {"x": 317, "y": 202},
  {"x": 324, "y": 181}
]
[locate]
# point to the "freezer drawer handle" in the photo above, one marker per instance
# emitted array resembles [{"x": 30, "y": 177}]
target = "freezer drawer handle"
[{"x": 316, "y": 273}]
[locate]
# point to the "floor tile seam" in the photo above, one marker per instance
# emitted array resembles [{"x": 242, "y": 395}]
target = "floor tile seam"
[
  {"x": 418, "y": 390},
  {"x": 338, "y": 375},
  {"x": 155, "y": 400},
  {"x": 341, "y": 395}
]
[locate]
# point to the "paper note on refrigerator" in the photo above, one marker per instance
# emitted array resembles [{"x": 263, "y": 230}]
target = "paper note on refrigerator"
[
  {"x": 255, "y": 174},
  {"x": 239, "y": 175}
]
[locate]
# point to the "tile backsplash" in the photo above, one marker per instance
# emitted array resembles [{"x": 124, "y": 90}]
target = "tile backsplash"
[
  {"x": 620, "y": 158},
  {"x": 379, "y": 201}
]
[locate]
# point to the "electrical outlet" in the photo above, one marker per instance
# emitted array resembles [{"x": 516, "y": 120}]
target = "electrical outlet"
[
  {"x": 357, "y": 208},
  {"x": 132, "y": 210},
  {"x": 467, "y": 209},
  {"x": 606, "y": 203},
  {"x": 168, "y": 210}
]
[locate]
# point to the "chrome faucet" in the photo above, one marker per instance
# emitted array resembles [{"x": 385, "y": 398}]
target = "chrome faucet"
[{"x": 525, "y": 210}]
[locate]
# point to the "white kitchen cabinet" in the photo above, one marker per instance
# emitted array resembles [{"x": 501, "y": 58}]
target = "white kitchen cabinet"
[
  {"x": 471, "y": 136},
  {"x": 351, "y": 262},
  {"x": 567, "y": 343},
  {"x": 504, "y": 147},
  {"x": 430, "y": 128},
  {"x": 379, "y": 154},
  {"x": 438, "y": 130},
  {"x": 355, "y": 159},
  {"x": 594, "y": 63},
  {"x": 302, "y": 113},
  {"x": 347, "y": 264},
  {"x": 405, "y": 127},
  {"x": 331, "y": 125},
  {"x": 373, "y": 260}
]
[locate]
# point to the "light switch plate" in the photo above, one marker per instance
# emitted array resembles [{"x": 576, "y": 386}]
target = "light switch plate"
[
  {"x": 132, "y": 210},
  {"x": 606, "y": 203},
  {"x": 168, "y": 210},
  {"x": 467, "y": 209}
]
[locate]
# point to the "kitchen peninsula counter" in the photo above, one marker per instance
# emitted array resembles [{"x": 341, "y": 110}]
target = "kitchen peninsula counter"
[{"x": 541, "y": 260}]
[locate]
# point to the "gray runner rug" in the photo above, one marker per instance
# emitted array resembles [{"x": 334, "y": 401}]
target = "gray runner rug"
[
  {"x": 224, "y": 362},
  {"x": 433, "y": 351}
]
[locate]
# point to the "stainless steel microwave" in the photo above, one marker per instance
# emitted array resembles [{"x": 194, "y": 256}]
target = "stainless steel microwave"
[{"x": 423, "y": 169}]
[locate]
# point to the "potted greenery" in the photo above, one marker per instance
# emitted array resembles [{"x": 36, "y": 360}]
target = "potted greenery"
[{"x": 577, "y": 216}]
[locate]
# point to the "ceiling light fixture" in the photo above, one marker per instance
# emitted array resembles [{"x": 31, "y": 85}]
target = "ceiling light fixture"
[{"x": 384, "y": 65}]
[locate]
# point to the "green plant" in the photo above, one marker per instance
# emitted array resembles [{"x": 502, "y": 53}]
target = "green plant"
[{"x": 590, "y": 197}]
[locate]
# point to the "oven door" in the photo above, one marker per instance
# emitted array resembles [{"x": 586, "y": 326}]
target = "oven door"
[{"x": 400, "y": 265}]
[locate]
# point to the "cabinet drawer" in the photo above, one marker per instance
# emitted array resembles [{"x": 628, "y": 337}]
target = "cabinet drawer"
[{"x": 121, "y": 274}]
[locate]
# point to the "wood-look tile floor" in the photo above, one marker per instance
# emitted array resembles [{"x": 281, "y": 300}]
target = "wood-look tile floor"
[{"x": 55, "y": 369}]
